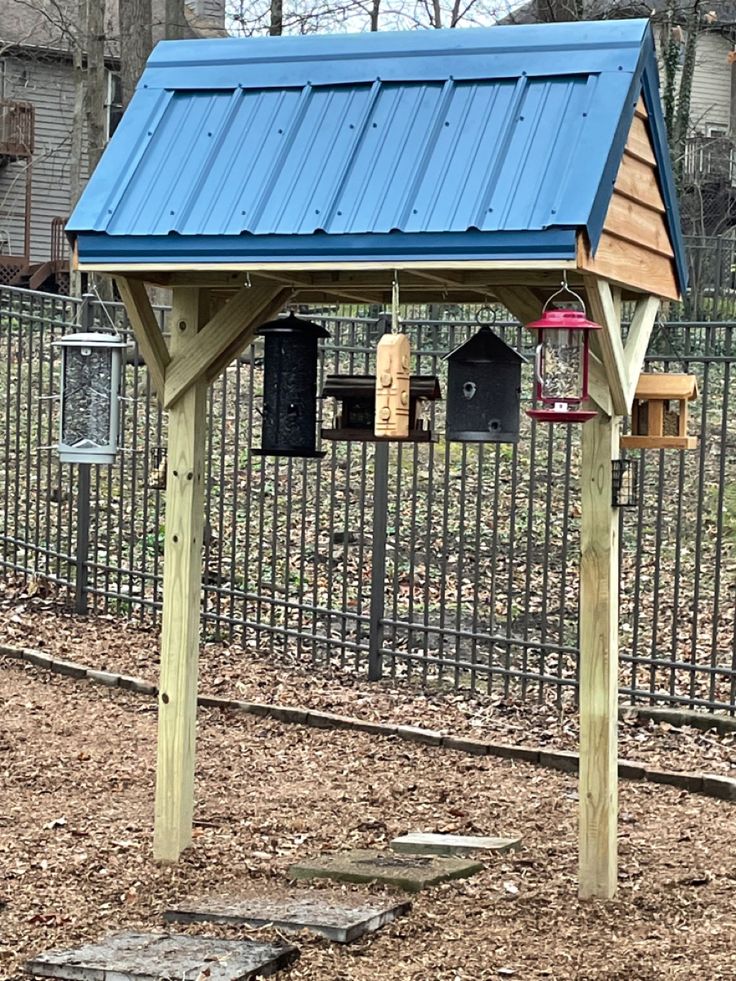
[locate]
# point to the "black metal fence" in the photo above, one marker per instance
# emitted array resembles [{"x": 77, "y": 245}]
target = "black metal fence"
[{"x": 449, "y": 564}]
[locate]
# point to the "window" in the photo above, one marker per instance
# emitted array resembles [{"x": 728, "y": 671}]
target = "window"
[{"x": 113, "y": 103}]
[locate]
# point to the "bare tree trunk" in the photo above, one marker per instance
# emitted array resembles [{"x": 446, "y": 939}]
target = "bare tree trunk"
[
  {"x": 175, "y": 23},
  {"x": 77, "y": 134},
  {"x": 375, "y": 11},
  {"x": 276, "y": 27},
  {"x": 136, "y": 41},
  {"x": 436, "y": 14},
  {"x": 96, "y": 88}
]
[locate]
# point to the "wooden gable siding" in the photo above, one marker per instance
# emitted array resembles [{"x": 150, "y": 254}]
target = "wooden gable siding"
[{"x": 635, "y": 248}]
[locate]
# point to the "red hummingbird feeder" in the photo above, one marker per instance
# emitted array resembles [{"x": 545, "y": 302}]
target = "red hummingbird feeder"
[{"x": 562, "y": 362}]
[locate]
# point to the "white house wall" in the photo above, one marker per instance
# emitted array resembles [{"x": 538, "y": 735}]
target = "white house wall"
[
  {"x": 49, "y": 85},
  {"x": 711, "y": 95}
]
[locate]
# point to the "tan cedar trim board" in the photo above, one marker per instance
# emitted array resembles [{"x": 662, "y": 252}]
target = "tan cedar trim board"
[
  {"x": 629, "y": 265},
  {"x": 632, "y": 222},
  {"x": 177, "y": 709},
  {"x": 659, "y": 442},
  {"x": 543, "y": 265}
]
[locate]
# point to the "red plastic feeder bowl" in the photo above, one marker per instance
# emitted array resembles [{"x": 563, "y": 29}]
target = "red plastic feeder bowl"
[{"x": 561, "y": 373}]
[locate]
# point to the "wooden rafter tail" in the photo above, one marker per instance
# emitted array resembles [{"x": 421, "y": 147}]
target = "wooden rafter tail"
[
  {"x": 217, "y": 339},
  {"x": 146, "y": 329},
  {"x": 603, "y": 311}
]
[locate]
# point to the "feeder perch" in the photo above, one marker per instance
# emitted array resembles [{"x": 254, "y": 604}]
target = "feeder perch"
[
  {"x": 356, "y": 412},
  {"x": 90, "y": 397},
  {"x": 659, "y": 413},
  {"x": 484, "y": 390},
  {"x": 290, "y": 387}
]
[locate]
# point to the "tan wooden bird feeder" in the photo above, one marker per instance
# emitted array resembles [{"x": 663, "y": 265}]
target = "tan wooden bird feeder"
[{"x": 659, "y": 413}]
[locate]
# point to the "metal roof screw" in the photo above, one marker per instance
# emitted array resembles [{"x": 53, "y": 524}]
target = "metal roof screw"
[
  {"x": 521, "y": 119},
  {"x": 281, "y": 131},
  {"x": 209, "y": 134},
  {"x": 554, "y": 211},
  {"x": 171, "y": 212},
  {"x": 339, "y": 213},
  {"x": 447, "y": 123},
  {"x": 375, "y": 125},
  {"x": 414, "y": 211},
  {"x": 316, "y": 211},
  {"x": 585, "y": 114}
]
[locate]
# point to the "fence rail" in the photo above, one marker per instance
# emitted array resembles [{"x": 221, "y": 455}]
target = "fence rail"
[{"x": 447, "y": 564}]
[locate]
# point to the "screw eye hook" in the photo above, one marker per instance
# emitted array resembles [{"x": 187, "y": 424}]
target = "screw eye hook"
[{"x": 564, "y": 288}]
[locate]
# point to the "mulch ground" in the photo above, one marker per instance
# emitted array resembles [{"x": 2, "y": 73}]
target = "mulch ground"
[
  {"x": 77, "y": 769},
  {"x": 231, "y": 671}
]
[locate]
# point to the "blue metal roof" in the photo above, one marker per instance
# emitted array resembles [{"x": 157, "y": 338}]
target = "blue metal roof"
[{"x": 483, "y": 143}]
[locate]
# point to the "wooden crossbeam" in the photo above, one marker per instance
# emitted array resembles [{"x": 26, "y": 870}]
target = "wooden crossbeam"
[
  {"x": 521, "y": 301},
  {"x": 598, "y": 385},
  {"x": 146, "y": 329},
  {"x": 216, "y": 340},
  {"x": 603, "y": 309}
]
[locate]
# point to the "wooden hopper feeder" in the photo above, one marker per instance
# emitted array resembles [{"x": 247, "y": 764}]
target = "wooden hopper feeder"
[
  {"x": 655, "y": 422},
  {"x": 355, "y": 419}
]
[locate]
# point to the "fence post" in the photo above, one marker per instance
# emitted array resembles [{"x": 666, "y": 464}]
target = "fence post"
[
  {"x": 378, "y": 561},
  {"x": 83, "y": 497}
]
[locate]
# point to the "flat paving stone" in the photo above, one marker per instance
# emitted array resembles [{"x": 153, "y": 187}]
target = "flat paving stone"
[
  {"x": 339, "y": 918},
  {"x": 421, "y": 843},
  {"x": 163, "y": 957},
  {"x": 409, "y": 872}
]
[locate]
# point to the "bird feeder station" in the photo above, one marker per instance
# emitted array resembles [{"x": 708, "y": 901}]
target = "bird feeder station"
[
  {"x": 91, "y": 365},
  {"x": 484, "y": 390},
  {"x": 290, "y": 387},
  {"x": 659, "y": 414},
  {"x": 355, "y": 414},
  {"x": 244, "y": 177},
  {"x": 562, "y": 363}
]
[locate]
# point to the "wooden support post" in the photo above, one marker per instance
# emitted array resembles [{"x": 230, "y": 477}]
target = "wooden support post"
[
  {"x": 177, "y": 706},
  {"x": 598, "y": 661}
]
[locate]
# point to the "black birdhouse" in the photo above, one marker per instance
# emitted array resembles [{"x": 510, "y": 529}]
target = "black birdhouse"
[
  {"x": 484, "y": 390},
  {"x": 356, "y": 412},
  {"x": 290, "y": 387}
]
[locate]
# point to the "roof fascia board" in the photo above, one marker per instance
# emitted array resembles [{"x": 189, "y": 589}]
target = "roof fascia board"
[{"x": 549, "y": 245}]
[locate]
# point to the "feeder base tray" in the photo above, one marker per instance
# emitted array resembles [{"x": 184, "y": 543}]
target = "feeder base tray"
[
  {"x": 552, "y": 415},
  {"x": 305, "y": 454}
]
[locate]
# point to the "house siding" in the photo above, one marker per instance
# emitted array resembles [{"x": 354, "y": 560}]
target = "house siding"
[
  {"x": 711, "y": 94},
  {"x": 49, "y": 85}
]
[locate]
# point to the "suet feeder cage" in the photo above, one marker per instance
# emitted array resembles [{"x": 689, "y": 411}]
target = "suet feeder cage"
[
  {"x": 91, "y": 365},
  {"x": 484, "y": 390},
  {"x": 624, "y": 483},
  {"x": 355, "y": 413},
  {"x": 659, "y": 414},
  {"x": 562, "y": 362},
  {"x": 290, "y": 387}
]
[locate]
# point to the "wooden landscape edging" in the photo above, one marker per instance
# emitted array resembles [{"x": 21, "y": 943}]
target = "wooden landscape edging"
[{"x": 707, "y": 784}]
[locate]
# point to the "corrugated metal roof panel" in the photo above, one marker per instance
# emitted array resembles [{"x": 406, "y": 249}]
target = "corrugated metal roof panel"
[{"x": 416, "y": 134}]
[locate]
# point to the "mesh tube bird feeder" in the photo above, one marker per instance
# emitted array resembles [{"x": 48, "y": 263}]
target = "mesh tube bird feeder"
[{"x": 91, "y": 365}]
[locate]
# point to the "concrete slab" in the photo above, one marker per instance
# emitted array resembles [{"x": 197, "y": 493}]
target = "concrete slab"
[
  {"x": 340, "y": 918},
  {"x": 409, "y": 872},
  {"x": 420, "y": 843},
  {"x": 161, "y": 957}
]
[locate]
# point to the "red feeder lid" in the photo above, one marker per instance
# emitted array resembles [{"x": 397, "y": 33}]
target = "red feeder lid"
[{"x": 563, "y": 320}]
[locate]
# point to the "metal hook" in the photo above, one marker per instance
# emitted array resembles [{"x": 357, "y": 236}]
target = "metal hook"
[
  {"x": 247, "y": 282},
  {"x": 564, "y": 288},
  {"x": 491, "y": 319},
  {"x": 395, "y": 303}
]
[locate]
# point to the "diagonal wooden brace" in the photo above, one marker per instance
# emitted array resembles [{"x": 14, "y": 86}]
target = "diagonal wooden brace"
[
  {"x": 147, "y": 332},
  {"x": 221, "y": 339}
]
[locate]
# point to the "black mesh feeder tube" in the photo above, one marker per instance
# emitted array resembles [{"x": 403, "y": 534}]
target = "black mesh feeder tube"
[{"x": 290, "y": 387}]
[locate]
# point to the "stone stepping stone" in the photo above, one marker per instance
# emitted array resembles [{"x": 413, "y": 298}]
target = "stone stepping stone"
[
  {"x": 421, "y": 843},
  {"x": 409, "y": 872},
  {"x": 162, "y": 957},
  {"x": 341, "y": 919}
]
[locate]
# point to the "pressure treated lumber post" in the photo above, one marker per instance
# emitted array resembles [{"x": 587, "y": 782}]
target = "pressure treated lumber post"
[
  {"x": 598, "y": 661},
  {"x": 177, "y": 708}
]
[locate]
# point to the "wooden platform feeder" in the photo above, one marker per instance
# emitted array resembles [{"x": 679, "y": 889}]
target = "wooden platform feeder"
[
  {"x": 659, "y": 413},
  {"x": 355, "y": 417}
]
